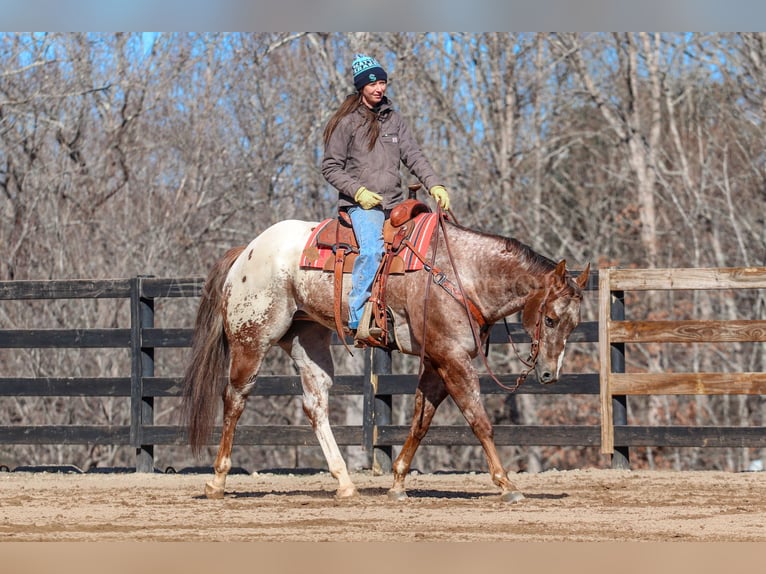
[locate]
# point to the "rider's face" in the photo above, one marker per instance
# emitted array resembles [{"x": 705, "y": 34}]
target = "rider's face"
[{"x": 373, "y": 93}]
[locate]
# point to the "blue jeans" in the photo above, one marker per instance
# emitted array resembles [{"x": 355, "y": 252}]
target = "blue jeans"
[{"x": 368, "y": 228}]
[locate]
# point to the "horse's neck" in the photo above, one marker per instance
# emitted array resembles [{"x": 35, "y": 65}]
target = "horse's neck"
[{"x": 503, "y": 273}]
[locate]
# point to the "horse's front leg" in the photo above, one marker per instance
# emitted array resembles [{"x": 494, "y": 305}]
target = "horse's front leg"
[
  {"x": 428, "y": 396},
  {"x": 309, "y": 346},
  {"x": 462, "y": 384}
]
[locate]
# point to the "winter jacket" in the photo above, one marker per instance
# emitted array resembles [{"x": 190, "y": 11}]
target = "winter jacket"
[{"x": 348, "y": 164}]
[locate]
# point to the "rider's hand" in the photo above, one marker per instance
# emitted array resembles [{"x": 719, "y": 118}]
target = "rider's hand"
[
  {"x": 366, "y": 198},
  {"x": 441, "y": 196}
]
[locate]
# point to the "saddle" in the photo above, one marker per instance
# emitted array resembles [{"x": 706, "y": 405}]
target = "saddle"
[{"x": 338, "y": 235}]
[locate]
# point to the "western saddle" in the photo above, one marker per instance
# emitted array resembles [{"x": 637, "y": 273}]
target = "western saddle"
[{"x": 374, "y": 327}]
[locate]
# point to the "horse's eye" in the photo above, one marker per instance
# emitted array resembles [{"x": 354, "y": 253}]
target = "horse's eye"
[{"x": 549, "y": 322}]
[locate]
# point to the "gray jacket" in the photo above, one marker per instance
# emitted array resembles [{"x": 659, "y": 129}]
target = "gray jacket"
[{"x": 348, "y": 164}]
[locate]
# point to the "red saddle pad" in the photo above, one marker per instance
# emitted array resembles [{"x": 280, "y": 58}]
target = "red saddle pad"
[{"x": 315, "y": 257}]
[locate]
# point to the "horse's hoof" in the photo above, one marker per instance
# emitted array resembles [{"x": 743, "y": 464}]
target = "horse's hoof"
[
  {"x": 346, "y": 493},
  {"x": 397, "y": 495},
  {"x": 512, "y": 496},
  {"x": 213, "y": 492}
]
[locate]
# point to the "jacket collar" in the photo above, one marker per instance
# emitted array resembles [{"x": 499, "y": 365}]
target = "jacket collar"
[{"x": 382, "y": 108}]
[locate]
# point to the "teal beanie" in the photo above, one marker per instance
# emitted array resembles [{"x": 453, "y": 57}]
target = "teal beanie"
[{"x": 367, "y": 70}]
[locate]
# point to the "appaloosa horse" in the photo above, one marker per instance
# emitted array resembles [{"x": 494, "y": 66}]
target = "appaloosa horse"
[{"x": 258, "y": 296}]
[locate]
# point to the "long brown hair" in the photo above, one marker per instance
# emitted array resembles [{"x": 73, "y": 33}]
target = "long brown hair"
[{"x": 349, "y": 105}]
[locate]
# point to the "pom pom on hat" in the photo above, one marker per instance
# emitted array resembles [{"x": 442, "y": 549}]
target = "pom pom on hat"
[{"x": 367, "y": 70}]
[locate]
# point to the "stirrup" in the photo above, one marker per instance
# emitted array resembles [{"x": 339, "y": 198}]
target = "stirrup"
[{"x": 367, "y": 330}]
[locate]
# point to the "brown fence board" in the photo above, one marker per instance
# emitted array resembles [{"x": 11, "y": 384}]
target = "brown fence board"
[
  {"x": 690, "y": 279},
  {"x": 708, "y": 331},
  {"x": 605, "y": 299},
  {"x": 688, "y": 383},
  {"x": 618, "y": 332}
]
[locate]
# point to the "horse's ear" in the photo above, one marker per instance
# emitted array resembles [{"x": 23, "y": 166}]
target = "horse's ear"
[
  {"x": 561, "y": 269},
  {"x": 582, "y": 279}
]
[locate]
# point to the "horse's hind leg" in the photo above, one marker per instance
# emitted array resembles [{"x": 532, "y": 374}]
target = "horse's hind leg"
[
  {"x": 309, "y": 346},
  {"x": 245, "y": 363},
  {"x": 428, "y": 396}
]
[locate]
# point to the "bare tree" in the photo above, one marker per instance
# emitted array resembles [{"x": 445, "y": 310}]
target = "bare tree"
[{"x": 128, "y": 154}]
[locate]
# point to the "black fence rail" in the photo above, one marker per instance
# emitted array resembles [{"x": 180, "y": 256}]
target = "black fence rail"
[{"x": 377, "y": 384}]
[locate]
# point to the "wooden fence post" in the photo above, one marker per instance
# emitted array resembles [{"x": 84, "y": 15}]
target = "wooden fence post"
[
  {"x": 614, "y": 408},
  {"x": 377, "y": 409},
  {"x": 368, "y": 407},
  {"x": 381, "y": 457},
  {"x": 142, "y": 361}
]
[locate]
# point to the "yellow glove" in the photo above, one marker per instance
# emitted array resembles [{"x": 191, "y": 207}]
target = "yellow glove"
[
  {"x": 366, "y": 198},
  {"x": 440, "y": 195}
]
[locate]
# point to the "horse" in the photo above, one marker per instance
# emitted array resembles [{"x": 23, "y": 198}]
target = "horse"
[{"x": 258, "y": 296}]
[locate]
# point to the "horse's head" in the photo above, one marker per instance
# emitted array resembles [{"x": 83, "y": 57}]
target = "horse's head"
[{"x": 549, "y": 316}]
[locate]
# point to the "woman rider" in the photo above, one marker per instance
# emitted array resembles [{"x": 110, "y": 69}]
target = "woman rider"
[{"x": 364, "y": 143}]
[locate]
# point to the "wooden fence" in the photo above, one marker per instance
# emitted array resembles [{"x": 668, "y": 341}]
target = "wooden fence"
[
  {"x": 616, "y": 384},
  {"x": 377, "y": 383}
]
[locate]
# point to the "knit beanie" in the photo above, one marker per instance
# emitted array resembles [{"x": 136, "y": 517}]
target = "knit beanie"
[{"x": 367, "y": 70}]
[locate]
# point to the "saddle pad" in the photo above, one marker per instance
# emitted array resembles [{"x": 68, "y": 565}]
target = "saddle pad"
[{"x": 315, "y": 257}]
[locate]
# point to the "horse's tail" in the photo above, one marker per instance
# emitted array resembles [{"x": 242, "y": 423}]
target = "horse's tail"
[{"x": 204, "y": 380}]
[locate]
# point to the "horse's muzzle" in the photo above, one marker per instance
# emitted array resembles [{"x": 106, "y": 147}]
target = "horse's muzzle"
[{"x": 546, "y": 377}]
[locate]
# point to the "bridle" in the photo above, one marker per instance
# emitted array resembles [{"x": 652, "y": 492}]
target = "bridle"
[
  {"x": 475, "y": 318},
  {"x": 534, "y": 349}
]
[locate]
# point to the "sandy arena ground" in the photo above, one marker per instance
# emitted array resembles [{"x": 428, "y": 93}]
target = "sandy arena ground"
[{"x": 581, "y": 505}]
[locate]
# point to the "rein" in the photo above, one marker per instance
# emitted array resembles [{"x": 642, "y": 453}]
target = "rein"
[
  {"x": 475, "y": 318},
  {"x": 534, "y": 348}
]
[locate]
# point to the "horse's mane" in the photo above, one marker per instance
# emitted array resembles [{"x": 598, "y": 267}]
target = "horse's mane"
[{"x": 537, "y": 263}]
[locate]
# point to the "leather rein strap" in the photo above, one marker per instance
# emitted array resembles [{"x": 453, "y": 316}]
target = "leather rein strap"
[
  {"x": 475, "y": 318},
  {"x": 534, "y": 348},
  {"x": 340, "y": 259}
]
